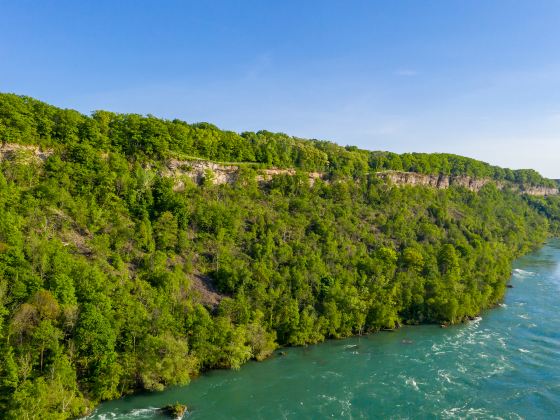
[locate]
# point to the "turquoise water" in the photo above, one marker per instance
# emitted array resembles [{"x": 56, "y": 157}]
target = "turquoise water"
[{"x": 504, "y": 365}]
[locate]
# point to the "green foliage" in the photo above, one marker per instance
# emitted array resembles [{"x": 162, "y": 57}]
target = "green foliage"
[
  {"x": 111, "y": 281},
  {"x": 146, "y": 138}
]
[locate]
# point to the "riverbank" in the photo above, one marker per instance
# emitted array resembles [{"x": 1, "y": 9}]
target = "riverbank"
[{"x": 505, "y": 364}]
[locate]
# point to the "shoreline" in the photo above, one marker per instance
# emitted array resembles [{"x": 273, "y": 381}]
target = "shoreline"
[{"x": 280, "y": 351}]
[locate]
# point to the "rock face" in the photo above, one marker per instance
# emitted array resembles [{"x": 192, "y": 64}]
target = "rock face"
[
  {"x": 268, "y": 174},
  {"x": 436, "y": 181},
  {"x": 205, "y": 291},
  {"x": 473, "y": 184},
  {"x": 205, "y": 171},
  {"x": 540, "y": 191},
  {"x": 12, "y": 151},
  {"x": 199, "y": 171}
]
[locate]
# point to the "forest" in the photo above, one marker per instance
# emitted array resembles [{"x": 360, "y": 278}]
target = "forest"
[{"x": 112, "y": 282}]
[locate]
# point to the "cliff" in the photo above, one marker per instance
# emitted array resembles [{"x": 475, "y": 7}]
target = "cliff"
[
  {"x": 199, "y": 170},
  {"x": 111, "y": 283},
  {"x": 473, "y": 184},
  {"x": 13, "y": 151}
]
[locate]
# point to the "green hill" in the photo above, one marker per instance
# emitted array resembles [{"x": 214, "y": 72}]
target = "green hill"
[{"x": 112, "y": 280}]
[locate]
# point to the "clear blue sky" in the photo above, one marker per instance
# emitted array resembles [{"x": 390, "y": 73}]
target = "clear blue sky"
[{"x": 479, "y": 78}]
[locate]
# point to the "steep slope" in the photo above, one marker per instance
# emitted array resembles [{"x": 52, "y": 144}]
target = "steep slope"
[{"x": 113, "y": 279}]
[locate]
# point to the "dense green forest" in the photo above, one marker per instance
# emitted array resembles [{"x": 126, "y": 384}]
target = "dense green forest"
[
  {"x": 112, "y": 282},
  {"x": 28, "y": 121}
]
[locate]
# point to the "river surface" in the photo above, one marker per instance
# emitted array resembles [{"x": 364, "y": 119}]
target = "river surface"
[{"x": 504, "y": 365}]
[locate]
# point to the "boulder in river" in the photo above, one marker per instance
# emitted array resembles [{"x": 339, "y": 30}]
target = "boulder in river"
[{"x": 176, "y": 411}]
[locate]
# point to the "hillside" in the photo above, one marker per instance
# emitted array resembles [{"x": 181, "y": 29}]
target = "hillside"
[
  {"x": 24, "y": 120},
  {"x": 126, "y": 264}
]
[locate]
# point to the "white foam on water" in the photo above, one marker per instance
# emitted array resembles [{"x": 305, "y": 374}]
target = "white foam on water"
[
  {"x": 445, "y": 376},
  {"x": 330, "y": 373},
  {"x": 453, "y": 412},
  {"x": 142, "y": 412},
  {"x": 524, "y": 350},
  {"x": 470, "y": 412},
  {"x": 105, "y": 416},
  {"x": 139, "y": 413},
  {"x": 412, "y": 383},
  {"x": 481, "y": 412},
  {"x": 522, "y": 273},
  {"x": 462, "y": 368},
  {"x": 328, "y": 397}
]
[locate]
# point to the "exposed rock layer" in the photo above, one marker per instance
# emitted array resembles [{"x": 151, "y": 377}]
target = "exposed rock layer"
[
  {"x": 199, "y": 170},
  {"x": 12, "y": 151},
  {"x": 473, "y": 184}
]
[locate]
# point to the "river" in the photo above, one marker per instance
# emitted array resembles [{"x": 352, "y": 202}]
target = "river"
[{"x": 505, "y": 364}]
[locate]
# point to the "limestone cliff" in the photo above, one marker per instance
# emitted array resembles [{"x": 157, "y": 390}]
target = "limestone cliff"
[
  {"x": 198, "y": 170},
  {"x": 12, "y": 151},
  {"x": 473, "y": 184}
]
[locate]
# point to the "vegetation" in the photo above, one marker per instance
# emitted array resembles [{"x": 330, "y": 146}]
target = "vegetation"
[
  {"x": 111, "y": 282},
  {"x": 28, "y": 121},
  {"x": 176, "y": 411}
]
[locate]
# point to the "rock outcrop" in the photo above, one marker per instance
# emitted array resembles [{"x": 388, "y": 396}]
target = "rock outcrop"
[
  {"x": 436, "y": 181},
  {"x": 11, "y": 151},
  {"x": 202, "y": 170},
  {"x": 199, "y": 170},
  {"x": 540, "y": 191},
  {"x": 473, "y": 184}
]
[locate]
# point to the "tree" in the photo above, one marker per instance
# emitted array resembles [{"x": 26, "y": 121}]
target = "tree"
[{"x": 165, "y": 231}]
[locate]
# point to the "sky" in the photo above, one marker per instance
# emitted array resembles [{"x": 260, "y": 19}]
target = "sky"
[{"x": 479, "y": 78}]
